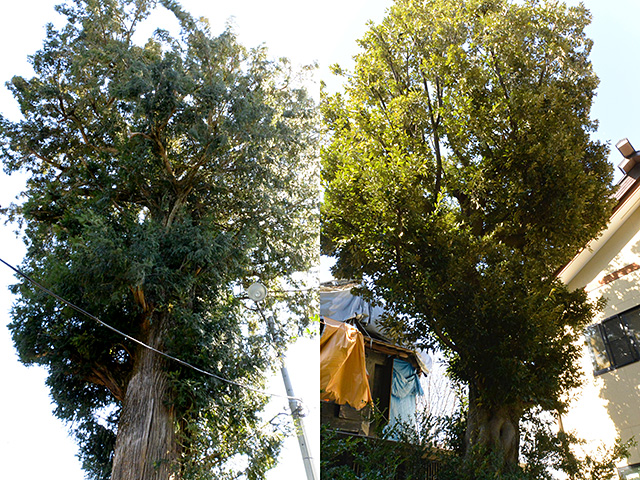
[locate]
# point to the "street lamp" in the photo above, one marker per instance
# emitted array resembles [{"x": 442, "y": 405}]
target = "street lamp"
[
  {"x": 631, "y": 157},
  {"x": 258, "y": 292}
]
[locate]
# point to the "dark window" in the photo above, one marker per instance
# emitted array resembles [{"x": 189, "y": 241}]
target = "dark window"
[
  {"x": 597, "y": 349},
  {"x": 382, "y": 386},
  {"x": 621, "y": 348},
  {"x": 614, "y": 342},
  {"x": 632, "y": 319},
  {"x": 630, "y": 473}
]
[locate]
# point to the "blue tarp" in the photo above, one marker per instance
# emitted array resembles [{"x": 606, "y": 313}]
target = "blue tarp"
[
  {"x": 405, "y": 386},
  {"x": 342, "y": 305}
]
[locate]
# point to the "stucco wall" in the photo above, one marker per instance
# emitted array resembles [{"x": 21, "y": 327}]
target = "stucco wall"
[{"x": 609, "y": 404}]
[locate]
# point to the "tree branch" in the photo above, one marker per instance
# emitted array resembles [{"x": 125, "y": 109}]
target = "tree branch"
[
  {"x": 108, "y": 377},
  {"x": 47, "y": 160},
  {"x": 435, "y": 124}
]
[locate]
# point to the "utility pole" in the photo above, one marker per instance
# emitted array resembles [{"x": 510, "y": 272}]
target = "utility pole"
[{"x": 257, "y": 292}]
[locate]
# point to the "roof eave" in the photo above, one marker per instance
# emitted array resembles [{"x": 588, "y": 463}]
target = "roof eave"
[{"x": 628, "y": 196}]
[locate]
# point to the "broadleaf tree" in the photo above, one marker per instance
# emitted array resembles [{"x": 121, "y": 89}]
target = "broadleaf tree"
[
  {"x": 163, "y": 178},
  {"x": 460, "y": 175}
]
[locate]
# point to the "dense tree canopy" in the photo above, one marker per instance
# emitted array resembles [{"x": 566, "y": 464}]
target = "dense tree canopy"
[
  {"x": 460, "y": 176},
  {"x": 162, "y": 179}
]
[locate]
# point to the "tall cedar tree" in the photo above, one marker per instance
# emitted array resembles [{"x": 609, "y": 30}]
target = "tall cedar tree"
[
  {"x": 163, "y": 178},
  {"x": 460, "y": 176}
]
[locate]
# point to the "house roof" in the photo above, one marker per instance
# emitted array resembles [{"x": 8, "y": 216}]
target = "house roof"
[
  {"x": 349, "y": 308},
  {"x": 627, "y": 185},
  {"x": 627, "y": 195}
]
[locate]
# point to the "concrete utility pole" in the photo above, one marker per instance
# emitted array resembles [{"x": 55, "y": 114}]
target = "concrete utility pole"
[
  {"x": 298, "y": 423},
  {"x": 257, "y": 292}
]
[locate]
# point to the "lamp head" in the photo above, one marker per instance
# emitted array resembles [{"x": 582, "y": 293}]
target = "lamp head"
[
  {"x": 630, "y": 155},
  {"x": 257, "y": 292},
  {"x": 625, "y": 148}
]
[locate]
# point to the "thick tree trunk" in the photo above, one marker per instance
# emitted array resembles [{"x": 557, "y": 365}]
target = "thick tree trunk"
[
  {"x": 146, "y": 446},
  {"x": 493, "y": 429}
]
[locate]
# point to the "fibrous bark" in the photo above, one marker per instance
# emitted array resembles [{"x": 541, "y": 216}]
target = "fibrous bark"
[{"x": 146, "y": 447}]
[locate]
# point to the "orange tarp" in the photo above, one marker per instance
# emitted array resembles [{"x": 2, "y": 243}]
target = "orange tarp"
[{"x": 343, "y": 374}]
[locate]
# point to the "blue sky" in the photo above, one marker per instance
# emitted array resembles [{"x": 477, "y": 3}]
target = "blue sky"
[
  {"x": 34, "y": 444},
  {"x": 615, "y": 58}
]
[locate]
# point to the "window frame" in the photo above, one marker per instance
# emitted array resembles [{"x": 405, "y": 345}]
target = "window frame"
[
  {"x": 625, "y": 472},
  {"x": 605, "y": 333}
]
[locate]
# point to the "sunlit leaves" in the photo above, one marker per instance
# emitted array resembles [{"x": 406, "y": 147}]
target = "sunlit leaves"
[{"x": 460, "y": 176}]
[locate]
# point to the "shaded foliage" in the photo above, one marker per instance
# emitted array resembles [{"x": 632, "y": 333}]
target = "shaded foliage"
[
  {"x": 347, "y": 457},
  {"x": 163, "y": 178},
  {"x": 433, "y": 449}
]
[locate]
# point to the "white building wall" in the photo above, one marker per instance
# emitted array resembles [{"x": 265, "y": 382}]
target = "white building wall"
[{"x": 608, "y": 405}]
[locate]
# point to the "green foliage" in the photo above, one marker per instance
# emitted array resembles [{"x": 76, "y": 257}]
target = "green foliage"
[
  {"x": 346, "y": 457},
  {"x": 163, "y": 178},
  {"x": 546, "y": 452},
  {"x": 460, "y": 176}
]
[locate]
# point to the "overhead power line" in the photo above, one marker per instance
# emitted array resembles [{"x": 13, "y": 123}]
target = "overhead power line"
[{"x": 135, "y": 340}]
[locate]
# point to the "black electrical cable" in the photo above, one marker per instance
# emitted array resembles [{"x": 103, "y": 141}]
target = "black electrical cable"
[{"x": 135, "y": 340}]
